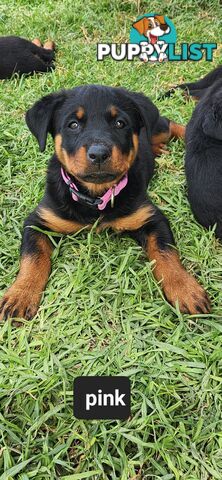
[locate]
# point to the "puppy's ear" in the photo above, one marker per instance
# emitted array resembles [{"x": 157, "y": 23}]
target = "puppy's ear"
[
  {"x": 141, "y": 25},
  {"x": 147, "y": 111},
  {"x": 212, "y": 124},
  {"x": 160, "y": 19},
  {"x": 39, "y": 118}
]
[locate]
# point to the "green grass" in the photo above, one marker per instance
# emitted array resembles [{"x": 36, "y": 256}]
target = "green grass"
[{"x": 102, "y": 312}]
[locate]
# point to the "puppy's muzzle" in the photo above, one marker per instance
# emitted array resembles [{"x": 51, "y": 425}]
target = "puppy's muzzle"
[{"x": 98, "y": 153}]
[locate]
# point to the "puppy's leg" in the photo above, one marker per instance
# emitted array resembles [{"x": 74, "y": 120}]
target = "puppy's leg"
[
  {"x": 163, "y": 132},
  {"x": 178, "y": 285},
  {"x": 23, "y": 297}
]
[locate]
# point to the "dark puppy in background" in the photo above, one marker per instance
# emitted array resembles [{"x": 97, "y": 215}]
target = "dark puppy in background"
[
  {"x": 197, "y": 89},
  {"x": 100, "y": 171},
  {"x": 203, "y": 160},
  {"x": 21, "y": 56}
]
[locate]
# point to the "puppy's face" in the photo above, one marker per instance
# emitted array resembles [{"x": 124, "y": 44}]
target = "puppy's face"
[
  {"x": 95, "y": 130},
  {"x": 97, "y": 139}
]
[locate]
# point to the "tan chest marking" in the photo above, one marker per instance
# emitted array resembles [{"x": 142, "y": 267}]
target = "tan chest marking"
[
  {"x": 58, "y": 224},
  {"x": 130, "y": 222}
]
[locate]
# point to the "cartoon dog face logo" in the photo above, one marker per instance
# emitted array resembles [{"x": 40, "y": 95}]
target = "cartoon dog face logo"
[{"x": 153, "y": 28}]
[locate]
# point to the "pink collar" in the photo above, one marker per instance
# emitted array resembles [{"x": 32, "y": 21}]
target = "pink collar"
[{"x": 99, "y": 202}]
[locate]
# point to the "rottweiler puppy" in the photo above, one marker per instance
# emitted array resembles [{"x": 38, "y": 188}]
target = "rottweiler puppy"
[
  {"x": 197, "y": 89},
  {"x": 203, "y": 159},
  {"x": 100, "y": 171},
  {"x": 22, "y": 56}
]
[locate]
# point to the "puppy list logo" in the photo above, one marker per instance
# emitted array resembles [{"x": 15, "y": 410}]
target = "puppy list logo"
[
  {"x": 153, "y": 33},
  {"x": 153, "y": 39}
]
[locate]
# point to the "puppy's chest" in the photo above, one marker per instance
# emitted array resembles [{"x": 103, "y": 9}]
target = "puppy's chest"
[
  {"x": 130, "y": 217},
  {"x": 118, "y": 220}
]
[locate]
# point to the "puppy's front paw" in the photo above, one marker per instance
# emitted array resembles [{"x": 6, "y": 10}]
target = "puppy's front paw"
[
  {"x": 49, "y": 45},
  {"x": 37, "y": 42},
  {"x": 185, "y": 290},
  {"x": 18, "y": 302}
]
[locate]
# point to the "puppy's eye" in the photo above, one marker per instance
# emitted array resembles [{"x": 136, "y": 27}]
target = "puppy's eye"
[
  {"x": 120, "y": 124},
  {"x": 73, "y": 125}
]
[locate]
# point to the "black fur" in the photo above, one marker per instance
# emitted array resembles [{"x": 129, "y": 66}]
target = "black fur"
[
  {"x": 203, "y": 159},
  {"x": 199, "y": 88},
  {"x": 18, "y": 55}
]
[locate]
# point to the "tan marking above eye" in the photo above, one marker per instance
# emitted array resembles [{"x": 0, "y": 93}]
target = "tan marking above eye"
[
  {"x": 113, "y": 111},
  {"x": 80, "y": 112}
]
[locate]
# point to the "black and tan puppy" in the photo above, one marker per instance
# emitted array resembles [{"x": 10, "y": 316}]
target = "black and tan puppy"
[
  {"x": 197, "y": 89},
  {"x": 22, "y": 56},
  {"x": 100, "y": 171},
  {"x": 203, "y": 160}
]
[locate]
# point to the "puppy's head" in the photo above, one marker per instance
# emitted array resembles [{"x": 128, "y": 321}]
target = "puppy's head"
[{"x": 95, "y": 130}]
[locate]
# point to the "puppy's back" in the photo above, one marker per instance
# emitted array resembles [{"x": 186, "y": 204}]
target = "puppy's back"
[{"x": 203, "y": 159}]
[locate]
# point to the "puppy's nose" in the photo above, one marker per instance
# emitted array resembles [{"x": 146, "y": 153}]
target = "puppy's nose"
[
  {"x": 164, "y": 26},
  {"x": 98, "y": 153}
]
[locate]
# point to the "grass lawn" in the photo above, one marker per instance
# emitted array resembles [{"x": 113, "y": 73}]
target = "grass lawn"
[{"x": 102, "y": 312}]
